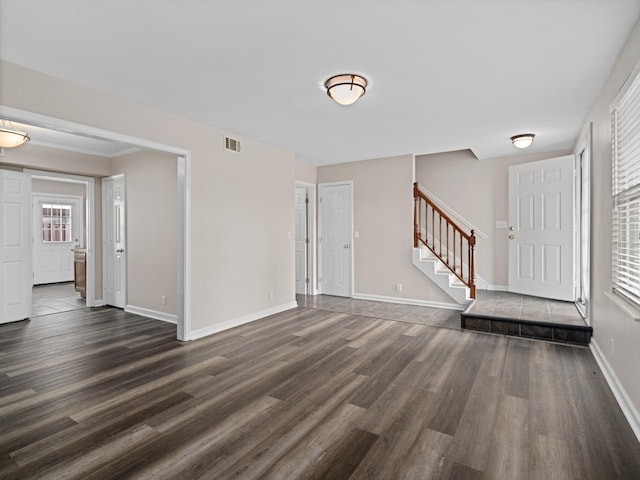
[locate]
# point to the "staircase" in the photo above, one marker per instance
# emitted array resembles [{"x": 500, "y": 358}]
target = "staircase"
[
  {"x": 437, "y": 271},
  {"x": 442, "y": 250}
]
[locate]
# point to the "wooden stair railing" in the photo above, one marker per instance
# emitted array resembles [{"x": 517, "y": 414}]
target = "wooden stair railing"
[{"x": 434, "y": 229}]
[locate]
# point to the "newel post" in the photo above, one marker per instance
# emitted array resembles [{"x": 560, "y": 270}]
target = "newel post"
[
  {"x": 416, "y": 208},
  {"x": 472, "y": 265}
]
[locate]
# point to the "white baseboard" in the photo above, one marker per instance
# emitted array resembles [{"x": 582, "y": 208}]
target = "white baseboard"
[
  {"x": 408, "y": 301},
  {"x": 145, "y": 312},
  {"x": 482, "y": 284},
  {"x": 629, "y": 410},
  {"x": 219, "y": 327}
]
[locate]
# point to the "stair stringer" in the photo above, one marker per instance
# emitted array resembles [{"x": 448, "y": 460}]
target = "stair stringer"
[{"x": 439, "y": 274}]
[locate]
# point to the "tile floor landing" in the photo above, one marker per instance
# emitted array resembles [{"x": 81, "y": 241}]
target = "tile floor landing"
[
  {"x": 525, "y": 316},
  {"x": 55, "y": 298}
]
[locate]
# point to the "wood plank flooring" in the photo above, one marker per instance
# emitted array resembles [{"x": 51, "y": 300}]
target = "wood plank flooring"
[{"x": 306, "y": 394}]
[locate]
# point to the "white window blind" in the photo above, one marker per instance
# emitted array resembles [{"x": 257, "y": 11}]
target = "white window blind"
[{"x": 626, "y": 192}]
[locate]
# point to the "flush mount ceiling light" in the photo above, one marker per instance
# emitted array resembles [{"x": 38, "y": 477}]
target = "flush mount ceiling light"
[
  {"x": 10, "y": 136},
  {"x": 523, "y": 140},
  {"x": 346, "y": 88}
]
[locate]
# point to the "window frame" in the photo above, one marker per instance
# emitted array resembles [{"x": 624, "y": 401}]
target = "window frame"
[
  {"x": 625, "y": 190},
  {"x": 57, "y": 222}
]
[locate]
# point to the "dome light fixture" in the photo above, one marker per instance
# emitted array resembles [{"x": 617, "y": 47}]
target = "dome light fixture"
[
  {"x": 10, "y": 136},
  {"x": 523, "y": 140},
  {"x": 346, "y": 88}
]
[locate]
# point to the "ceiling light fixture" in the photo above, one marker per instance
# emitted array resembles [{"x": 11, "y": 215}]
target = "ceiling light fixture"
[
  {"x": 346, "y": 88},
  {"x": 10, "y": 136},
  {"x": 523, "y": 140}
]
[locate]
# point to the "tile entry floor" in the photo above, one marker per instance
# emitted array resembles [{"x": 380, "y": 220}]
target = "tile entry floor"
[
  {"x": 523, "y": 307},
  {"x": 55, "y": 298},
  {"x": 497, "y": 304}
]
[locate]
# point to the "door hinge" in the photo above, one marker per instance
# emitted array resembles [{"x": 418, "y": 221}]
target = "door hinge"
[{"x": 306, "y": 240}]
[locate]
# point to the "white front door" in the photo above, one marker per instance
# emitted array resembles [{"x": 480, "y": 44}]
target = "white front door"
[
  {"x": 335, "y": 239},
  {"x": 301, "y": 240},
  {"x": 114, "y": 277},
  {"x": 541, "y": 228},
  {"x": 15, "y": 246},
  {"x": 57, "y": 229}
]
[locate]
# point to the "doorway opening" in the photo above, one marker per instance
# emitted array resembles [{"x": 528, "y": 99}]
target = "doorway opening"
[
  {"x": 183, "y": 226},
  {"x": 62, "y": 231}
]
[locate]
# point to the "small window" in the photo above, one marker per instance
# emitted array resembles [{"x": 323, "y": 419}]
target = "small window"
[
  {"x": 56, "y": 223},
  {"x": 625, "y": 120}
]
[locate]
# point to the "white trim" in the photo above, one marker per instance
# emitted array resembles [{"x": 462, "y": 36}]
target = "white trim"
[
  {"x": 184, "y": 202},
  {"x": 146, "y": 312},
  {"x": 353, "y": 255},
  {"x": 452, "y": 213},
  {"x": 409, "y": 301},
  {"x": 627, "y": 406},
  {"x": 236, "y": 322},
  {"x": 496, "y": 288},
  {"x": 183, "y": 294}
]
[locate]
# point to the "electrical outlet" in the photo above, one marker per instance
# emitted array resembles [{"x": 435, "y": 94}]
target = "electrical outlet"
[
  {"x": 270, "y": 295},
  {"x": 164, "y": 299},
  {"x": 398, "y": 287}
]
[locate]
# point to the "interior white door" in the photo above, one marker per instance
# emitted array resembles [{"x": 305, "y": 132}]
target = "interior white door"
[
  {"x": 114, "y": 254},
  {"x": 541, "y": 228},
  {"x": 301, "y": 239},
  {"x": 53, "y": 240},
  {"x": 15, "y": 246},
  {"x": 335, "y": 239}
]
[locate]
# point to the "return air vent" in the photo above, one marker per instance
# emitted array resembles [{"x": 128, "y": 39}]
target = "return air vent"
[{"x": 231, "y": 144}]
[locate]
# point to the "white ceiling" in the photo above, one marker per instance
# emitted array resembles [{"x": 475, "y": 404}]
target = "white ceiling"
[{"x": 444, "y": 74}]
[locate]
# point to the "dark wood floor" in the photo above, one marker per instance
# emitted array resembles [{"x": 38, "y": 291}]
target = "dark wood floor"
[{"x": 306, "y": 394}]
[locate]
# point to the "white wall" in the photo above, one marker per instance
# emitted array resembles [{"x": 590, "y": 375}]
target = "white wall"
[
  {"x": 242, "y": 204},
  {"x": 616, "y": 335},
  {"x": 383, "y": 216}
]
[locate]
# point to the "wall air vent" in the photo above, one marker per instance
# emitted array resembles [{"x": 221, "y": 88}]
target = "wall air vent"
[{"x": 231, "y": 144}]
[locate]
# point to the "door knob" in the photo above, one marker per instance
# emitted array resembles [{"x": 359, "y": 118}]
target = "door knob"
[
  {"x": 512, "y": 228},
  {"x": 511, "y": 237},
  {"x": 120, "y": 250},
  {"x": 346, "y": 246}
]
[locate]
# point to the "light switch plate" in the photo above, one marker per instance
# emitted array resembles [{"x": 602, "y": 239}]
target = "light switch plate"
[{"x": 501, "y": 224}]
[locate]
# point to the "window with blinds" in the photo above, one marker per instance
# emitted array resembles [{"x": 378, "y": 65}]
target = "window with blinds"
[{"x": 625, "y": 118}]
